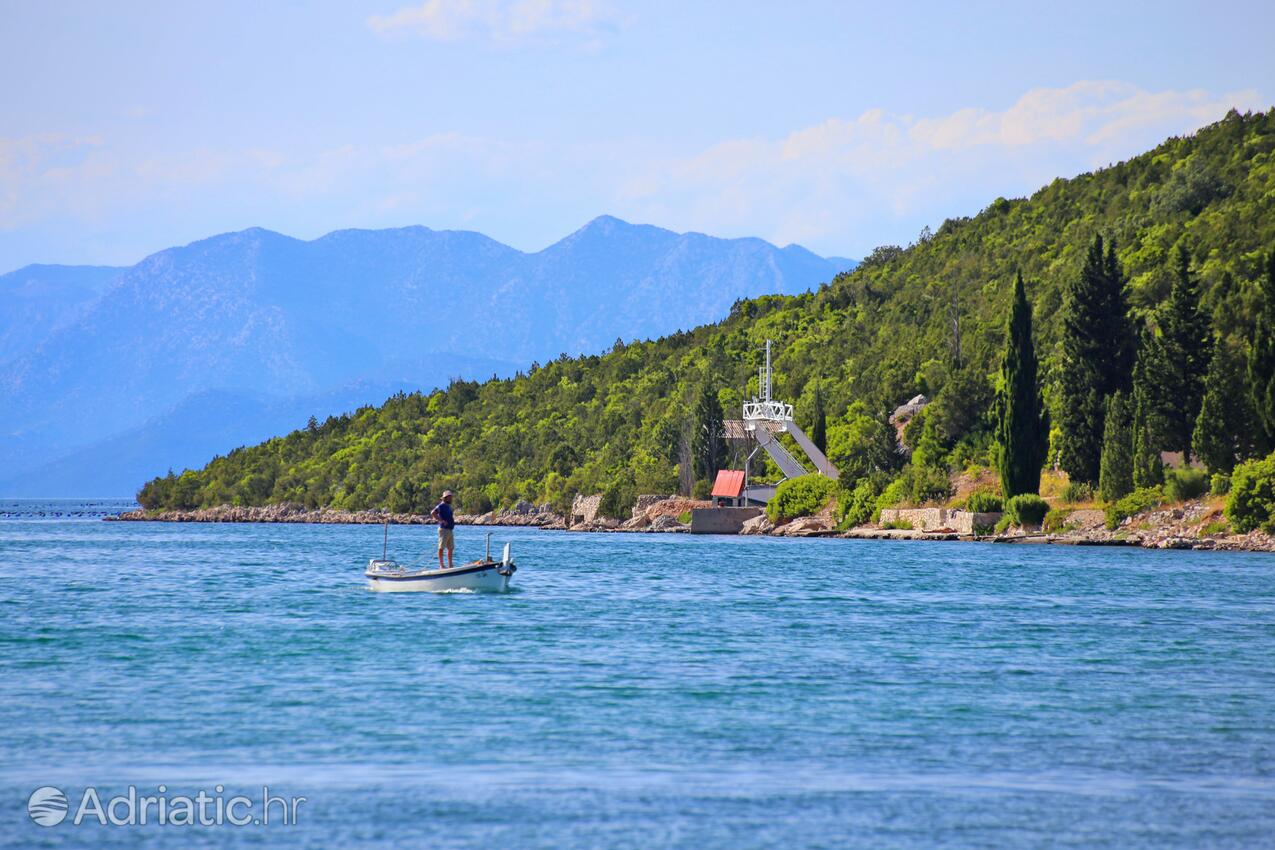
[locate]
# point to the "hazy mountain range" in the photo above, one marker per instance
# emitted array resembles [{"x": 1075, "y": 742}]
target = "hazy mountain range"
[{"x": 109, "y": 376}]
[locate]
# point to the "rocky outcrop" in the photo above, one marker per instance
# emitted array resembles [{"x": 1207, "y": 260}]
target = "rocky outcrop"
[
  {"x": 758, "y": 525},
  {"x": 653, "y": 513},
  {"x": 521, "y": 514},
  {"x": 644, "y": 502},
  {"x": 601, "y": 523},
  {"x": 664, "y": 522},
  {"x": 805, "y": 526},
  {"x": 903, "y": 414},
  {"x": 285, "y": 512}
]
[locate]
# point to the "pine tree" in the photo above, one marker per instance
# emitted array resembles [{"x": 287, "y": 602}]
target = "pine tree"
[
  {"x": 1261, "y": 362},
  {"x": 1022, "y": 427},
  {"x": 1224, "y": 430},
  {"x": 1178, "y": 389},
  {"x": 1116, "y": 477},
  {"x": 1097, "y": 344}
]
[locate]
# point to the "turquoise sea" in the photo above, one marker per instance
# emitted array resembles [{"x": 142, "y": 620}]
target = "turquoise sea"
[{"x": 637, "y": 691}]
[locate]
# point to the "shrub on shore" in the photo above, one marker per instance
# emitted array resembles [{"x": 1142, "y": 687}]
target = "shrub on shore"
[
  {"x": 1183, "y": 484},
  {"x": 1056, "y": 520},
  {"x": 984, "y": 502},
  {"x": 1251, "y": 503},
  {"x": 1137, "y": 501},
  {"x": 1077, "y": 491},
  {"x": 1026, "y": 509},
  {"x": 800, "y": 496}
]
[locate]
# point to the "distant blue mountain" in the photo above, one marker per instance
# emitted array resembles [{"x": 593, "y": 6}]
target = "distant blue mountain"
[
  {"x": 39, "y": 300},
  {"x": 111, "y": 376}
]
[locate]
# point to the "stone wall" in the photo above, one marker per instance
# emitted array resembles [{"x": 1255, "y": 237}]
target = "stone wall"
[
  {"x": 940, "y": 519},
  {"x": 584, "y": 509}
]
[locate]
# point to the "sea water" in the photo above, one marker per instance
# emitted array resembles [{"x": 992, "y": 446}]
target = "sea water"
[{"x": 635, "y": 691}]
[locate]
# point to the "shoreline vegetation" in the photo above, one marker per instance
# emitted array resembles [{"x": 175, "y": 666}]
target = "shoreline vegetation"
[
  {"x": 1102, "y": 349},
  {"x": 1194, "y": 524}
]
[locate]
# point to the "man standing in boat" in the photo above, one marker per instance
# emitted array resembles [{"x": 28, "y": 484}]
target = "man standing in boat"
[{"x": 446, "y": 520}]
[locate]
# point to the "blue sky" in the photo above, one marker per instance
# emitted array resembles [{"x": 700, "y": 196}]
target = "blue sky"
[{"x": 129, "y": 127}]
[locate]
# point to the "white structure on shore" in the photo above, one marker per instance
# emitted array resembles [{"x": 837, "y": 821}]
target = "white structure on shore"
[{"x": 764, "y": 419}]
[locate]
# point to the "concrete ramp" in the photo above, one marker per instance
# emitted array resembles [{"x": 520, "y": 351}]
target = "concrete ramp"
[
  {"x": 820, "y": 460},
  {"x": 789, "y": 465}
]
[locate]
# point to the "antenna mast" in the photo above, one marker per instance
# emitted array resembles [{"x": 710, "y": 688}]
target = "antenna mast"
[{"x": 767, "y": 381}]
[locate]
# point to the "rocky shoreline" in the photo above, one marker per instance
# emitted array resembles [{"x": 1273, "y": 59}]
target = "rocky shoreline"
[{"x": 1193, "y": 525}]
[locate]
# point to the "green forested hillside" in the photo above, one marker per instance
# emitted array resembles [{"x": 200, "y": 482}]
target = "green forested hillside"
[{"x": 928, "y": 318}]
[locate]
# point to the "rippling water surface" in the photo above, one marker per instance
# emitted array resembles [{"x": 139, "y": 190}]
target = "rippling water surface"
[{"x": 637, "y": 690}]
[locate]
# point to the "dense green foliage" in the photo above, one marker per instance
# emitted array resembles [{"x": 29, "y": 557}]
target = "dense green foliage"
[
  {"x": 916, "y": 485},
  {"x": 1025, "y": 509},
  {"x": 639, "y": 419},
  {"x": 800, "y": 496},
  {"x": 1224, "y": 429},
  {"x": 1116, "y": 475},
  {"x": 1022, "y": 423},
  {"x": 860, "y": 444},
  {"x": 859, "y": 505},
  {"x": 1261, "y": 360},
  {"x": 1251, "y": 503}
]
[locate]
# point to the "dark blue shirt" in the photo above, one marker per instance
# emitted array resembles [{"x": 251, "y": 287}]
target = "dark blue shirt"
[{"x": 445, "y": 518}]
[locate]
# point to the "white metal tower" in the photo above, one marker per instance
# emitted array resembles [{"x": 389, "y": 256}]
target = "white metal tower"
[{"x": 764, "y": 418}]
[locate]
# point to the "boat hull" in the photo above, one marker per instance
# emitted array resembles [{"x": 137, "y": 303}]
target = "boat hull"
[{"x": 479, "y": 578}]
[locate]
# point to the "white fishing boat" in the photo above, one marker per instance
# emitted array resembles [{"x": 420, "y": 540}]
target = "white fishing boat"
[{"x": 487, "y": 575}]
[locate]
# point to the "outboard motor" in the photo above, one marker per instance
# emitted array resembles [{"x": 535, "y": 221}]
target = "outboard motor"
[{"x": 507, "y": 566}]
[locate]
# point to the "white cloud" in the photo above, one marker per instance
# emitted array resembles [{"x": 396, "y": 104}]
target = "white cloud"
[
  {"x": 847, "y": 183},
  {"x": 840, "y": 186},
  {"x": 501, "y": 21}
]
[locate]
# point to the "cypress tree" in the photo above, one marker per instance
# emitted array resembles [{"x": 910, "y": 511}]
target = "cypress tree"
[
  {"x": 1148, "y": 470},
  {"x": 1097, "y": 357},
  {"x": 1120, "y": 330},
  {"x": 1224, "y": 429},
  {"x": 1261, "y": 362},
  {"x": 819, "y": 425},
  {"x": 708, "y": 443},
  {"x": 1116, "y": 477},
  {"x": 1178, "y": 388},
  {"x": 1022, "y": 427}
]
